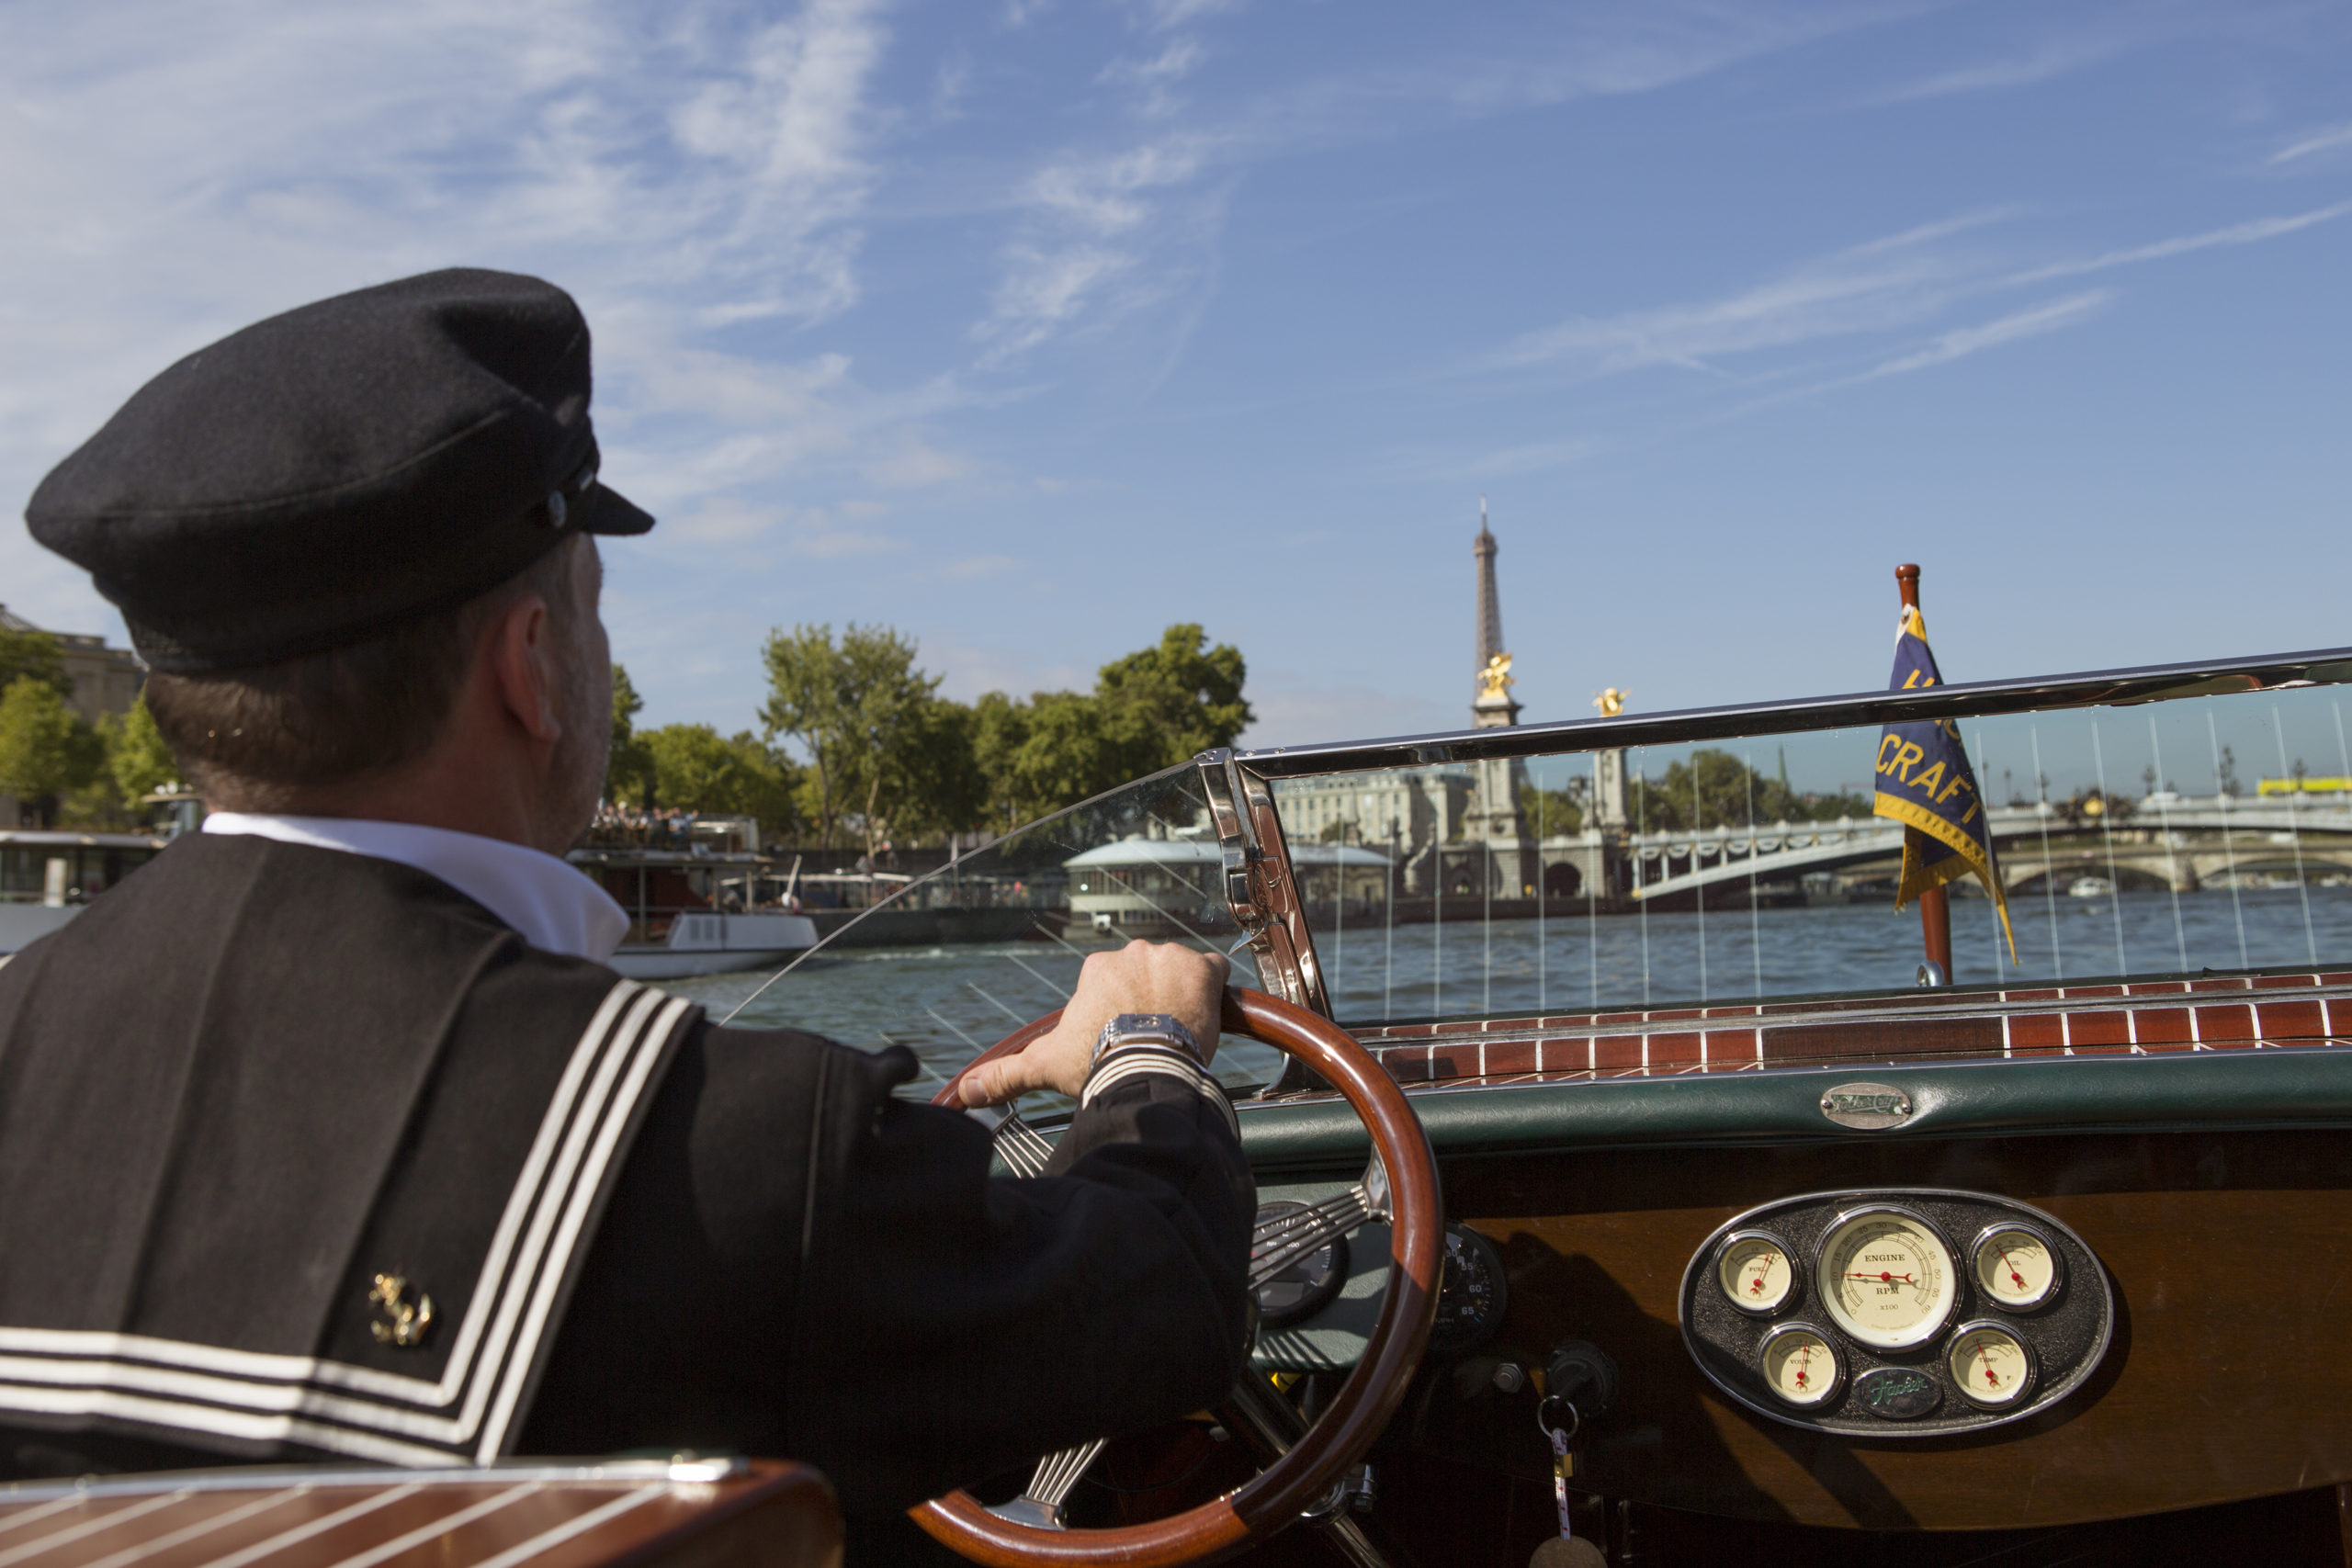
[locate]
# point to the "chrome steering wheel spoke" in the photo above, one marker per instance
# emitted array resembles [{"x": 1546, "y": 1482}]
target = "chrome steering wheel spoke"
[
  {"x": 1282, "y": 1239},
  {"x": 1020, "y": 1147},
  {"x": 1058, "y": 1474}
]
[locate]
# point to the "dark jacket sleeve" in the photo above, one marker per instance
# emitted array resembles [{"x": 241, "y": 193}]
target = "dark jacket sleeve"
[
  {"x": 954, "y": 1325},
  {"x": 795, "y": 1262}
]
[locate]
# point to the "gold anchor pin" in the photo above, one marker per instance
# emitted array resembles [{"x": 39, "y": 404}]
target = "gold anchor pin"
[{"x": 405, "y": 1319}]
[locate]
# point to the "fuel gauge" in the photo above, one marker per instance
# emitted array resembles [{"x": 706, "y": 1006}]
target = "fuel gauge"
[{"x": 1754, "y": 1271}]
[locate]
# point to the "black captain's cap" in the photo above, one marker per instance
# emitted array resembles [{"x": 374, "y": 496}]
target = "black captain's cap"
[{"x": 331, "y": 473}]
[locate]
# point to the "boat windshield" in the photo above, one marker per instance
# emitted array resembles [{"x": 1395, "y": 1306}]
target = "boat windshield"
[{"x": 2147, "y": 825}]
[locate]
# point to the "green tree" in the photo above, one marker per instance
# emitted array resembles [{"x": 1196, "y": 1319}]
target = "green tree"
[
  {"x": 883, "y": 747},
  {"x": 1175, "y": 700},
  {"x": 137, "y": 759},
  {"x": 1148, "y": 710},
  {"x": 1716, "y": 789},
  {"x": 695, "y": 769},
  {"x": 46, "y": 750},
  {"x": 35, "y": 654},
  {"x": 1053, "y": 750},
  {"x": 1550, "y": 811},
  {"x": 629, "y": 767}
]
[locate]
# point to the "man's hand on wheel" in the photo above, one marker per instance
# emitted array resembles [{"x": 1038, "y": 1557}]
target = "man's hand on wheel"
[{"x": 1142, "y": 976}]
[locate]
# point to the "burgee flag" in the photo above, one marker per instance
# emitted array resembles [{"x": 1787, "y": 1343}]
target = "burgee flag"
[{"x": 1925, "y": 783}]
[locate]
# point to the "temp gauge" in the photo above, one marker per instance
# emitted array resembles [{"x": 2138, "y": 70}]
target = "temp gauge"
[
  {"x": 1886, "y": 1278},
  {"x": 1991, "y": 1365},
  {"x": 1800, "y": 1366},
  {"x": 1754, "y": 1271},
  {"x": 2016, "y": 1267}
]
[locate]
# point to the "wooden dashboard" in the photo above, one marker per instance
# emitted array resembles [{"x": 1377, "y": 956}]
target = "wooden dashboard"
[{"x": 2228, "y": 1375}]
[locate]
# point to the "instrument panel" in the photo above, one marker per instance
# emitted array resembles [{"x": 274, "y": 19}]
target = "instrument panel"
[{"x": 1896, "y": 1313}]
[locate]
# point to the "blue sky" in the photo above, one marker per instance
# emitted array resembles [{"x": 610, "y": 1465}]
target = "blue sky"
[{"x": 1029, "y": 326}]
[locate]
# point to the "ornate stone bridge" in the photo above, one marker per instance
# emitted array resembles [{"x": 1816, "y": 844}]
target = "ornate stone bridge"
[{"x": 2174, "y": 841}]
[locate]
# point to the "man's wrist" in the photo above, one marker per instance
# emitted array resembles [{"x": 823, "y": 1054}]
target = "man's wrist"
[
  {"x": 1135, "y": 1045},
  {"x": 1162, "y": 1029}
]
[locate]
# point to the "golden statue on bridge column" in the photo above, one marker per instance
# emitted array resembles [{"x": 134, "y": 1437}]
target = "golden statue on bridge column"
[
  {"x": 1495, "y": 676},
  {"x": 1611, "y": 701}
]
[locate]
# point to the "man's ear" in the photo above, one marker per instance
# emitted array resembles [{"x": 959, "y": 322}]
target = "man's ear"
[{"x": 524, "y": 668}]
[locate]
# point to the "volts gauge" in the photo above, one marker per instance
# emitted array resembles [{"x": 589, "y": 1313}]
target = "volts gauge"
[
  {"x": 2016, "y": 1267},
  {"x": 1754, "y": 1271},
  {"x": 1991, "y": 1365},
  {"x": 1800, "y": 1366},
  {"x": 1886, "y": 1278}
]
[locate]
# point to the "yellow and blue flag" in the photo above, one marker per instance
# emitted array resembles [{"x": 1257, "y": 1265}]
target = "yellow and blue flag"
[{"x": 1925, "y": 783}]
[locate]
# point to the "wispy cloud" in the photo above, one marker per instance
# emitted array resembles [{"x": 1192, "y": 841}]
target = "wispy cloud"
[
  {"x": 1961, "y": 341},
  {"x": 1086, "y": 232},
  {"x": 2315, "y": 143},
  {"x": 2248, "y": 233},
  {"x": 687, "y": 173},
  {"x": 1873, "y": 290},
  {"x": 2040, "y": 64},
  {"x": 1884, "y": 284},
  {"x": 1108, "y": 232},
  {"x": 1154, "y": 79}
]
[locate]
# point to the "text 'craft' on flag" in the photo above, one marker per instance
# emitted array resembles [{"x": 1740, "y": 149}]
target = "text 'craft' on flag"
[{"x": 1925, "y": 781}]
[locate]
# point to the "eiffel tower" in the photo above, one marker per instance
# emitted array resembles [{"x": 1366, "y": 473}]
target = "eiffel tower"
[{"x": 1495, "y": 816}]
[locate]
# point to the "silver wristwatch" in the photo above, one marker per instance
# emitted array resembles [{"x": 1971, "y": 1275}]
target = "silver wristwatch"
[{"x": 1161, "y": 1029}]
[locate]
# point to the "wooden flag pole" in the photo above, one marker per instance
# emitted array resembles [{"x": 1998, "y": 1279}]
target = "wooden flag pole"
[{"x": 1935, "y": 904}]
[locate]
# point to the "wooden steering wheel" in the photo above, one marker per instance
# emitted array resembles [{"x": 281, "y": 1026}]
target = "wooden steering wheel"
[{"x": 1309, "y": 1471}]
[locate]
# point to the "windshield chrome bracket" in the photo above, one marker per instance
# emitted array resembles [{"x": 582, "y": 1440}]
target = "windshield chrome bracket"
[{"x": 1260, "y": 888}]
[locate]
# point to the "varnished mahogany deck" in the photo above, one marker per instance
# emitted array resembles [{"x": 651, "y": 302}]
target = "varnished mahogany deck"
[{"x": 763, "y": 1515}]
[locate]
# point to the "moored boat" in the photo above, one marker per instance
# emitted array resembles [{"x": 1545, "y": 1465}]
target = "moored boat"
[{"x": 47, "y": 878}]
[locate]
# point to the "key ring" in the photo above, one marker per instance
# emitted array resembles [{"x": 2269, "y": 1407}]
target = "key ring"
[{"x": 1546, "y": 1424}]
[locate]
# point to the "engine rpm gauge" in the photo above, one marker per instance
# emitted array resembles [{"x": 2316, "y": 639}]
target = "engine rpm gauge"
[
  {"x": 1991, "y": 1365},
  {"x": 2016, "y": 1267},
  {"x": 1800, "y": 1366},
  {"x": 1886, "y": 1278},
  {"x": 1755, "y": 1273}
]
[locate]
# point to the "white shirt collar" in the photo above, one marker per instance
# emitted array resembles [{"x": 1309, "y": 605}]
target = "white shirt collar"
[{"x": 548, "y": 901}]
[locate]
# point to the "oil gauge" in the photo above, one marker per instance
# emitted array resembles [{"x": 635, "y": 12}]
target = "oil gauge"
[
  {"x": 2016, "y": 1267},
  {"x": 1754, "y": 1271}
]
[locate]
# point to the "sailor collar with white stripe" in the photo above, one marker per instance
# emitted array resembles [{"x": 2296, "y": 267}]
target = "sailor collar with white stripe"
[{"x": 547, "y": 902}]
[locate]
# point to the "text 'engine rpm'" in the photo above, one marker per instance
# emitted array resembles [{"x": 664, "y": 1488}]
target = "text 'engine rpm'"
[
  {"x": 1755, "y": 1272},
  {"x": 1887, "y": 1279},
  {"x": 1799, "y": 1366}
]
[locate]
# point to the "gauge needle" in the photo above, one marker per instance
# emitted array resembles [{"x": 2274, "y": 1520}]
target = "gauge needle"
[
  {"x": 1992, "y": 1378},
  {"x": 1885, "y": 1278},
  {"x": 2015, "y": 1278},
  {"x": 1805, "y": 1360}
]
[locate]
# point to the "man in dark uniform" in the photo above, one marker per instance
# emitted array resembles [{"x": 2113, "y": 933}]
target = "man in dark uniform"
[{"x": 328, "y": 1133}]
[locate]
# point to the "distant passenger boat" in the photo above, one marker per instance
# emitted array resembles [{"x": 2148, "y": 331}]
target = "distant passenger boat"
[
  {"x": 2091, "y": 888},
  {"x": 707, "y": 902},
  {"x": 716, "y": 944}
]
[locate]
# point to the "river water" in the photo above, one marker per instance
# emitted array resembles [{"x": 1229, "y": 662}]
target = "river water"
[{"x": 945, "y": 1002}]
